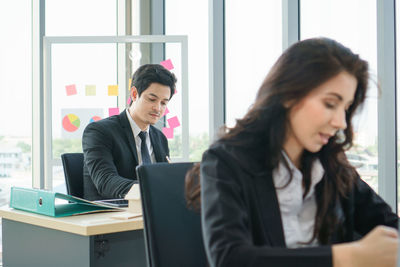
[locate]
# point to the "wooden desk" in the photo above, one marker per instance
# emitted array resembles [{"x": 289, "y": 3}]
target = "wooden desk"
[{"x": 85, "y": 240}]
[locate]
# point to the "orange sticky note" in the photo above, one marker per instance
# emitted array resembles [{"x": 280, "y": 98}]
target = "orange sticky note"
[{"x": 113, "y": 90}]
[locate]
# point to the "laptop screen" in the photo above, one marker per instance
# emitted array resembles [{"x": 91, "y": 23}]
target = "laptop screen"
[{"x": 119, "y": 202}]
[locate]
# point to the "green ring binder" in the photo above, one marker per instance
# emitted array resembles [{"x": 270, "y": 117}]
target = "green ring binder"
[{"x": 45, "y": 203}]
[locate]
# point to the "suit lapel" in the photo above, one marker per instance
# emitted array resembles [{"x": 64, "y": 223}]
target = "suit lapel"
[
  {"x": 129, "y": 135},
  {"x": 155, "y": 142},
  {"x": 265, "y": 194},
  {"x": 267, "y": 204},
  {"x": 270, "y": 212}
]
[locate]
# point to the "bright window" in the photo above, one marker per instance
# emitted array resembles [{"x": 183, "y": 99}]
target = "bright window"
[
  {"x": 253, "y": 42},
  {"x": 15, "y": 98},
  {"x": 195, "y": 16},
  {"x": 352, "y": 23}
]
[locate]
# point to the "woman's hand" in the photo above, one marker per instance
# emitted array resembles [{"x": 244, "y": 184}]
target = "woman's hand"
[{"x": 378, "y": 248}]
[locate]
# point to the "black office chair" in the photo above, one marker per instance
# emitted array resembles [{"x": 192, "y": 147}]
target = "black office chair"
[
  {"x": 73, "y": 173},
  {"x": 172, "y": 231}
]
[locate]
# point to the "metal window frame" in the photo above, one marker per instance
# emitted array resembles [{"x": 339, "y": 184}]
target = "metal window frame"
[
  {"x": 290, "y": 22},
  {"x": 387, "y": 116},
  {"x": 38, "y": 32},
  {"x": 216, "y": 66}
]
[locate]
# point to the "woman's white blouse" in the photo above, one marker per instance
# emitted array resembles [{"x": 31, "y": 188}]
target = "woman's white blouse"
[{"x": 298, "y": 214}]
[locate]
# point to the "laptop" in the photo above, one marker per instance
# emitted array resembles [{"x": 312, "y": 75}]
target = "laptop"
[{"x": 118, "y": 202}]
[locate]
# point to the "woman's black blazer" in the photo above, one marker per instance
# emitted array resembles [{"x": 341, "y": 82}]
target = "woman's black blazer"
[{"x": 241, "y": 219}]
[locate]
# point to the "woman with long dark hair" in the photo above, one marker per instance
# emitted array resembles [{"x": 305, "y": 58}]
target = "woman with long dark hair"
[{"x": 277, "y": 189}]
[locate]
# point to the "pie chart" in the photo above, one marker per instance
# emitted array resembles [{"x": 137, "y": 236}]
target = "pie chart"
[
  {"x": 95, "y": 118},
  {"x": 71, "y": 122}
]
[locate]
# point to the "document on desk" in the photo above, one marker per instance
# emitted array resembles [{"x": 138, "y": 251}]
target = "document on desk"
[
  {"x": 126, "y": 216},
  {"x": 47, "y": 203},
  {"x": 134, "y": 209}
]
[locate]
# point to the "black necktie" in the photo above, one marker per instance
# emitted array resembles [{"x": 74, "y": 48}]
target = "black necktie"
[{"x": 143, "y": 148}]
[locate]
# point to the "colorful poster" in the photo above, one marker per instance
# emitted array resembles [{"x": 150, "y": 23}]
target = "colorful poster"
[
  {"x": 75, "y": 120},
  {"x": 71, "y": 122},
  {"x": 95, "y": 118}
]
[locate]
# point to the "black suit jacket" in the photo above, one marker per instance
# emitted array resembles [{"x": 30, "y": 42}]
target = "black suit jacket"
[
  {"x": 110, "y": 156},
  {"x": 241, "y": 218}
]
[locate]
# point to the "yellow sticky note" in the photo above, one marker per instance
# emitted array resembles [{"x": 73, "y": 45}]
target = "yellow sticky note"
[
  {"x": 90, "y": 90},
  {"x": 130, "y": 84},
  {"x": 112, "y": 90}
]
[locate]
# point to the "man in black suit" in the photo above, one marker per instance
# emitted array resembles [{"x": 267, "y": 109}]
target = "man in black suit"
[{"x": 113, "y": 147}]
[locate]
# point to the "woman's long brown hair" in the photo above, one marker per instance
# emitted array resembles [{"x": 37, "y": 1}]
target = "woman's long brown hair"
[{"x": 299, "y": 70}]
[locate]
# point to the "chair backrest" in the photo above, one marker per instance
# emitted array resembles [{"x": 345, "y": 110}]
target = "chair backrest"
[
  {"x": 172, "y": 231},
  {"x": 73, "y": 172}
]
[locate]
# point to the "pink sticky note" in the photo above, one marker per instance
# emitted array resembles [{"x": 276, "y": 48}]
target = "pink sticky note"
[
  {"x": 128, "y": 102},
  {"x": 168, "y": 132},
  {"x": 167, "y": 64},
  {"x": 71, "y": 89},
  {"x": 173, "y": 122},
  {"x": 176, "y": 91},
  {"x": 113, "y": 111},
  {"x": 166, "y": 111}
]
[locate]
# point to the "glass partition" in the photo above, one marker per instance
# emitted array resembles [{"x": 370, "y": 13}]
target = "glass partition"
[{"x": 86, "y": 82}]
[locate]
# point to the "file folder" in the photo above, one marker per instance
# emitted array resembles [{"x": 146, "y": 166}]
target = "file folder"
[{"x": 45, "y": 203}]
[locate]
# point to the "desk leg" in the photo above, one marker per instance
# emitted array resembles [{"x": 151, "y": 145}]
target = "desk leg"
[{"x": 29, "y": 245}]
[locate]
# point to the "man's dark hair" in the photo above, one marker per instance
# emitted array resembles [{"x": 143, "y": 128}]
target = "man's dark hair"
[{"x": 153, "y": 73}]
